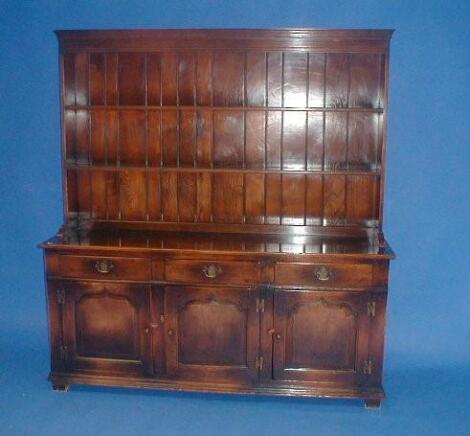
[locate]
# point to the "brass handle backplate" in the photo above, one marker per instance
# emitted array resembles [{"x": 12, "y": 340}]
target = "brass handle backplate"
[
  {"x": 212, "y": 271},
  {"x": 323, "y": 274},
  {"x": 104, "y": 266}
]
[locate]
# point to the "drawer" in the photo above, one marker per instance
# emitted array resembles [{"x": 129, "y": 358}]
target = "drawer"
[
  {"x": 96, "y": 267},
  {"x": 195, "y": 271},
  {"x": 324, "y": 275}
]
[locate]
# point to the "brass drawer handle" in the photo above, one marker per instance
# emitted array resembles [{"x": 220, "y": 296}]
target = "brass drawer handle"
[
  {"x": 212, "y": 271},
  {"x": 323, "y": 274},
  {"x": 104, "y": 266}
]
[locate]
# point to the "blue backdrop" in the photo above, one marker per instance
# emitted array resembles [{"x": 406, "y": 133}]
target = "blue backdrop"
[{"x": 427, "y": 373}]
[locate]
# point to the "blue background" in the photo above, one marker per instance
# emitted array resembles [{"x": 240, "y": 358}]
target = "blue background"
[{"x": 427, "y": 374}]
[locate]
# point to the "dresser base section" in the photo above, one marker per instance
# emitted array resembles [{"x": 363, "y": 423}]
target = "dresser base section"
[{"x": 371, "y": 396}]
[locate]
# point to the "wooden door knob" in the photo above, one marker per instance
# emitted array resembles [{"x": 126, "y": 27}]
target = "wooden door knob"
[
  {"x": 278, "y": 336},
  {"x": 170, "y": 332}
]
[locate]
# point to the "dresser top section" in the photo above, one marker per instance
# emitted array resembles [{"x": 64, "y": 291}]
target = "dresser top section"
[
  {"x": 281, "y": 131},
  {"x": 295, "y": 38}
]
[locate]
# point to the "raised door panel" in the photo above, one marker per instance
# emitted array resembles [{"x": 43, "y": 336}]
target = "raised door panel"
[
  {"x": 105, "y": 327},
  {"x": 320, "y": 336},
  {"x": 211, "y": 333}
]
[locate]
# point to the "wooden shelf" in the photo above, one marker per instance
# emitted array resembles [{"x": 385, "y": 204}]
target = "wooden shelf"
[
  {"x": 103, "y": 167},
  {"x": 224, "y": 108}
]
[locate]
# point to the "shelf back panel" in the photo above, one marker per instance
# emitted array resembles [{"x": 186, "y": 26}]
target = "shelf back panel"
[{"x": 245, "y": 132}]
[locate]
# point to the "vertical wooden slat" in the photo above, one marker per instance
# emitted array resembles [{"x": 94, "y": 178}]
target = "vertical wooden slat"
[
  {"x": 227, "y": 71},
  {"x": 68, "y": 84},
  {"x": 361, "y": 193},
  {"x": 132, "y": 136},
  {"x": 295, "y": 79},
  {"x": 316, "y": 82},
  {"x": 255, "y": 139},
  {"x": 228, "y": 139},
  {"x": 292, "y": 199},
  {"x": 72, "y": 193},
  {"x": 81, "y": 79},
  {"x": 255, "y": 78},
  {"x": 315, "y": 141},
  {"x": 293, "y": 143},
  {"x": 381, "y": 81},
  {"x": 254, "y": 198},
  {"x": 362, "y": 144},
  {"x": 169, "y": 137},
  {"x": 314, "y": 200},
  {"x": 97, "y": 79},
  {"x": 169, "y": 196},
  {"x": 227, "y": 198},
  {"x": 273, "y": 199},
  {"x": 204, "y": 136},
  {"x": 112, "y": 195},
  {"x": 204, "y": 196},
  {"x": 98, "y": 137},
  {"x": 186, "y": 78},
  {"x": 273, "y": 140},
  {"x": 111, "y": 78},
  {"x": 98, "y": 194},
  {"x": 154, "y": 138},
  {"x": 337, "y": 73},
  {"x": 334, "y": 199},
  {"x": 154, "y": 197},
  {"x": 82, "y": 136},
  {"x": 187, "y": 197},
  {"x": 365, "y": 71},
  {"x": 154, "y": 79},
  {"x": 380, "y": 142},
  {"x": 111, "y": 136},
  {"x": 118, "y": 148},
  {"x": 204, "y": 78},
  {"x": 169, "y": 79},
  {"x": 335, "y": 140},
  {"x": 131, "y": 78},
  {"x": 274, "y": 79},
  {"x": 70, "y": 120},
  {"x": 147, "y": 142},
  {"x": 132, "y": 194},
  {"x": 84, "y": 191},
  {"x": 188, "y": 123}
]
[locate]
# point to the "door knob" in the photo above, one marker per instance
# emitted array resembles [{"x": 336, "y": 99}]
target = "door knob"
[
  {"x": 212, "y": 271},
  {"x": 323, "y": 274},
  {"x": 104, "y": 266}
]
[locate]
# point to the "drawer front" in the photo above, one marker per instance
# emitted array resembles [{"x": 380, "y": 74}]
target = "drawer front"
[
  {"x": 192, "y": 271},
  {"x": 324, "y": 275},
  {"x": 91, "y": 267}
]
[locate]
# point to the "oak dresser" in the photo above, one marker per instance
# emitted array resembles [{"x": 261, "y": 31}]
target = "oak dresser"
[{"x": 223, "y": 210}]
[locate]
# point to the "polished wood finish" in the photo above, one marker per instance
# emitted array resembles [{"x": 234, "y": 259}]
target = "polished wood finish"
[
  {"x": 320, "y": 336},
  {"x": 90, "y": 267},
  {"x": 223, "y": 211},
  {"x": 212, "y": 333}
]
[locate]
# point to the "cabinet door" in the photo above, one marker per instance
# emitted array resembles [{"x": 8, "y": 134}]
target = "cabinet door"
[
  {"x": 211, "y": 333},
  {"x": 320, "y": 336},
  {"x": 105, "y": 327}
]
